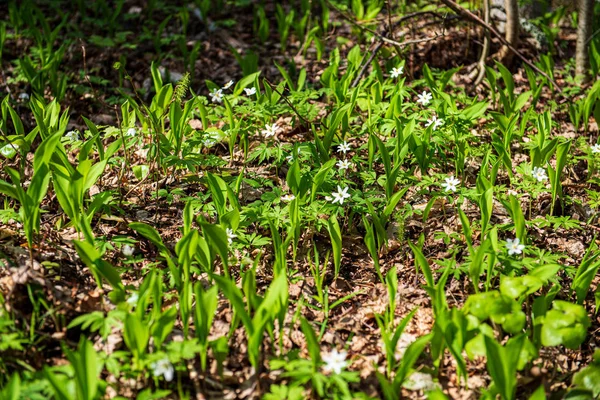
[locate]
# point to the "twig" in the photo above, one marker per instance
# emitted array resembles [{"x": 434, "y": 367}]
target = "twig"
[
  {"x": 376, "y": 49},
  {"x": 379, "y": 35},
  {"x": 593, "y": 35},
  {"x": 384, "y": 37},
  {"x": 469, "y": 15},
  {"x": 289, "y": 103},
  {"x": 366, "y": 65}
]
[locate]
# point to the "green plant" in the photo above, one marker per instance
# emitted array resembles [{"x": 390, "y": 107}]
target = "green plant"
[
  {"x": 32, "y": 197},
  {"x": 80, "y": 379}
]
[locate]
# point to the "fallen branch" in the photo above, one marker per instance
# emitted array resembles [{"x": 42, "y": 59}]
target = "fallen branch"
[{"x": 474, "y": 18}]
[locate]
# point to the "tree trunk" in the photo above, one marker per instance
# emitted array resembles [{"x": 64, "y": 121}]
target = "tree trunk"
[
  {"x": 512, "y": 30},
  {"x": 584, "y": 30}
]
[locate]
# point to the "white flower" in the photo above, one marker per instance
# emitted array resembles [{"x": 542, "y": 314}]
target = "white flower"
[
  {"x": 290, "y": 158},
  {"x": 343, "y": 148},
  {"x": 163, "y": 367},
  {"x": 128, "y": 250},
  {"x": 450, "y": 184},
  {"x": 595, "y": 148},
  {"x": 340, "y": 196},
  {"x": 250, "y": 91},
  {"x": 435, "y": 122},
  {"x": 23, "y": 96},
  {"x": 539, "y": 174},
  {"x": 211, "y": 138},
  {"x": 420, "y": 381},
  {"x": 9, "y": 150},
  {"x": 396, "y": 72},
  {"x": 133, "y": 299},
  {"x": 130, "y": 132},
  {"x": 514, "y": 246},
  {"x": 228, "y": 85},
  {"x": 288, "y": 197},
  {"x": 216, "y": 96},
  {"x": 270, "y": 130},
  {"x": 230, "y": 235},
  {"x": 343, "y": 164},
  {"x": 424, "y": 98},
  {"x": 73, "y": 136},
  {"x": 335, "y": 361}
]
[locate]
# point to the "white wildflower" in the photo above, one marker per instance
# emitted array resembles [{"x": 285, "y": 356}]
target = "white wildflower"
[
  {"x": 343, "y": 148},
  {"x": 514, "y": 246},
  {"x": 24, "y": 96},
  {"x": 133, "y": 299},
  {"x": 335, "y": 361},
  {"x": 340, "y": 196},
  {"x": 128, "y": 250},
  {"x": 216, "y": 96},
  {"x": 424, "y": 98},
  {"x": 450, "y": 184},
  {"x": 595, "y": 148},
  {"x": 163, "y": 367},
  {"x": 288, "y": 197},
  {"x": 539, "y": 174},
  {"x": 130, "y": 132},
  {"x": 228, "y": 85},
  {"x": 73, "y": 136},
  {"x": 250, "y": 91},
  {"x": 230, "y": 235},
  {"x": 9, "y": 150},
  {"x": 420, "y": 381},
  {"x": 396, "y": 72},
  {"x": 435, "y": 121},
  {"x": 270, "y": 130},
  {"x": 211, "y": 138},
  {"x": 343, "y": 164},
  {"x": 290, "y": 159}
]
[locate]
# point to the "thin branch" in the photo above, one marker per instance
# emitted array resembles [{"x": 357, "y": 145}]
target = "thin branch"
[
  {"x": 289, "y": 103},
  {"x": 469, "y": 15},
  {"x": 366, "y": 65},
  {"x": 379, "y": 35},
  {"x": 591, "y": 37}
]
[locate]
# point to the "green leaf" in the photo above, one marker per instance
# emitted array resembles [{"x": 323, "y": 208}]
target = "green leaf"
[
  {"x": 320, "y": 177},
  {"x": 216, "y": 237},
  {"x": 586, "y": 272},
  {"x": 410, "y": 357},
  {"x": 93, "y": 260},
  {"x": 566, "y": 324},
  {"x": 539, "y": 394},
  {"x": 149, "y": 233},
  {"x": 12, "y": 390},
  {"x": 136, "y": 334},
  {"x": 87, "y": 368},
  {"x": 422, "y": 263},
  {"x": 335, "y": 235},
  {"x": 293, "y": 177},
  {"x": 589, "y": 377}
]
